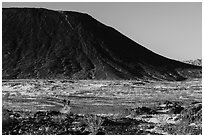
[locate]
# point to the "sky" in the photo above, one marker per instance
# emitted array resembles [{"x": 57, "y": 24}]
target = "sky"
[{"x": 171, "y": 29}]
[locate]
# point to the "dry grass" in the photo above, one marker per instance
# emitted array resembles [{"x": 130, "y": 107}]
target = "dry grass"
[{"x": 94, "y": 123}]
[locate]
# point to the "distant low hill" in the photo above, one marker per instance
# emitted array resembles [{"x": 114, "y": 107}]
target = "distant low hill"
[
  {"x": 41, "y": 43},
  {"x": 197, "y": 62}
]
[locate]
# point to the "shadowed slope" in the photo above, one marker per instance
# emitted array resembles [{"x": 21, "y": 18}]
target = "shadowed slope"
[{"x": 40, "y": 43}]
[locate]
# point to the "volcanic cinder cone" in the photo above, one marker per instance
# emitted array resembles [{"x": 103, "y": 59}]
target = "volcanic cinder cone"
[{"x": 41, "y": 43}]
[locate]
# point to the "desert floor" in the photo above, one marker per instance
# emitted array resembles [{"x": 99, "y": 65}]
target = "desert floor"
[{"x": 114, "y": 107}]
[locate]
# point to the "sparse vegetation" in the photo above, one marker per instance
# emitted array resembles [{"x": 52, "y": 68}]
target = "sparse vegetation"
[
  {"x": 94, "y": 123},
  {"x": 52, "y": 122},
  {"x": 101, "y": 107}
]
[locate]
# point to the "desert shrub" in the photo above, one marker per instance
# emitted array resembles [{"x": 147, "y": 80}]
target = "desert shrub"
[
  {"x": 93, "y": 123},
  {"x": 41, "y": 123},
  {"x": 123, "y": 126},
  {"x": 183, "y": 128},
  {"x": 190, "y": 115},
  {"x": 173, "y": 106},
  {"x": 176, "y": 109},
  {"x": 142, "y": 111}
]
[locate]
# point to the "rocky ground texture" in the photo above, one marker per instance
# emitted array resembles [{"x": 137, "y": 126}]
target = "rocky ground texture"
[{"x": 102, "y": 107}]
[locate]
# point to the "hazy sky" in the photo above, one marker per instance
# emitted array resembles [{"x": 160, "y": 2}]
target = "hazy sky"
[{"x": 173, "y": 30}]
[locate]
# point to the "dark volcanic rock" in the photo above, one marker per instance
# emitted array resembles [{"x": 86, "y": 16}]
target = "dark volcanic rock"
[{"x": 40, "y": 43}]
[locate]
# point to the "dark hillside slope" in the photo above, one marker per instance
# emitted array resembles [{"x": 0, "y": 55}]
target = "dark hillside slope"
[{"x": 41, "y": 43}]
